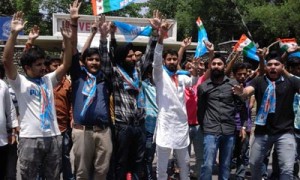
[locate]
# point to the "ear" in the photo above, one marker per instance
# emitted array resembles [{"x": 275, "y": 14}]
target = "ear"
[{"x": 26, "y": 68}]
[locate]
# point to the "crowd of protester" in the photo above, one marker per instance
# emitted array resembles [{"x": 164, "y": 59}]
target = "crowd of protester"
[{"x": 107, "y": 112}]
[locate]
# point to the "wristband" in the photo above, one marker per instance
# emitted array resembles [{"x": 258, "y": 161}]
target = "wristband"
[{"x": 74, "y": 25}]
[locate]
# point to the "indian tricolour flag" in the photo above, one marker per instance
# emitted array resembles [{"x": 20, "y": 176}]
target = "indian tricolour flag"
[
  {"x": 248, "y": 47},
  {"x": 287, "y": 43},
  {"x": 103, "y": 6},
  {"x": 202, "y": 36}
]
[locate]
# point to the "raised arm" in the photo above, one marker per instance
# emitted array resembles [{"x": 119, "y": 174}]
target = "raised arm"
[
  {"x": 104, "y": 29},
  {"x": 183, "y": 46},
  {"x": 62, "y": 70},
  {"x": 90, "y": 38},
  {"x": 261, "y": 54},
  {"x": 17, "y": 25},
  {"x": 231, "y": 62},
  {"x": 74, "y": 15},
  {"x": 33, "y": 35},
  {"x": 211, "y": 50}
]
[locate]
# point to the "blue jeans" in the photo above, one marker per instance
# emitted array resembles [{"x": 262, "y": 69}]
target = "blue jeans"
[
  {"x": 196, "y": 138},
  {"x": 66, "y": 148},
  {"x": 225, "y": 145},
  {"x": 285, "y": 146}
]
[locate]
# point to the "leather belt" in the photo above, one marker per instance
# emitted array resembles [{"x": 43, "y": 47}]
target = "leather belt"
[{"x": 90, "y": 128}]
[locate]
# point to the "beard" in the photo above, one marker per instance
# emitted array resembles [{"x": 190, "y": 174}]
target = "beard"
[
  {"x": 215, "y": 73},
  {"x": 172, "y": 67}
]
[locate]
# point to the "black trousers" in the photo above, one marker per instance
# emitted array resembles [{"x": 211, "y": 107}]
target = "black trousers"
[{"x": 129, "y": 147}]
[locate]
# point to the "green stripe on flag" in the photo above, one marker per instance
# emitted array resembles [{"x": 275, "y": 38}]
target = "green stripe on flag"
[
  {"x": 106, "y": 6},
  {"x": 247, "y": 49}
]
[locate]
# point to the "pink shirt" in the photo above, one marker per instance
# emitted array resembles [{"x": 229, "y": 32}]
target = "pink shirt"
[{"x": 191, "y": 101}]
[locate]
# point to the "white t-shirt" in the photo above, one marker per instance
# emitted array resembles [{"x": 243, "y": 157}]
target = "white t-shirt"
[
  {"x": 30, "y": 100},
  {"x": 8, "y": 116}
]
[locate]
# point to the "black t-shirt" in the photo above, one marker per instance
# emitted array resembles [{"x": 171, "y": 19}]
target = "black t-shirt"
[{"x": 282, "y": 121}]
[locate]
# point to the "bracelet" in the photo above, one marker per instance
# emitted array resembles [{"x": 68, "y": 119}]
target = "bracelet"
[{"x": 74, "y": 25}]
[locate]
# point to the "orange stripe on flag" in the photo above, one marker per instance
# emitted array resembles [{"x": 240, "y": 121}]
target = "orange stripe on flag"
[
  {"x": 242, "y": 39},
  {"x": 94, "y": 7},
  {"x": 287, "y": 40}
]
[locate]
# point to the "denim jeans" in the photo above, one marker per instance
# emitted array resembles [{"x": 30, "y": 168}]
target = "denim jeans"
[
  {"x": 285, "y": 146},
  {"x": 196, "y": 138},
  {"x": 66, "y": 148},
  {"x": 149, "y": 156},
  {"x": 225, "y": 145}
]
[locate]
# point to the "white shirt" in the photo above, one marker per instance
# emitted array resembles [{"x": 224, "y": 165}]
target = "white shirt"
[
  {"x": 172, "y": 130},
  {"x": 8, "y": 117},
  {"x": 30, "y": 103}
]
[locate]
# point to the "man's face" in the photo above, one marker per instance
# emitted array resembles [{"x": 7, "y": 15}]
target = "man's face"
[
  {"x": 217, "y": 68},
  {"x": 37, "y": 69},
  {"x": 171, "y": 62},
  {"x": 274, "y": 69},
  {"x": 92, "y": 63},
  {"x": 54, "y": 65},
  {"x": 241, "y": 75},
  {"x": 131, "y": 59}
]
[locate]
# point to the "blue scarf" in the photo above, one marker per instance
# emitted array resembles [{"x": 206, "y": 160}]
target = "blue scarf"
[
  {"x": 133, "y": 83},
  {"x": 46, "y": 115},
  {"x": 268, "y": 103},
  {"x": 178, "y": 72},
  {"x": 89, "y": 90}
]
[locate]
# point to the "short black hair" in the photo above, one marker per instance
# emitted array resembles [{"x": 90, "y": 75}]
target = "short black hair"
[
  {"x": 2, "y": 71},
  {"x": 274, "y": 55},
  {"x": 248, "y": 65},
  {"x": 220, "y": 56},
  {"x": 171, "y": 52},
  {"x": 31, "y": 56},
  {"x": 89, "y": 52},
  {"x": 238, "y": 66},
  {"x": 49, "y": 60}
]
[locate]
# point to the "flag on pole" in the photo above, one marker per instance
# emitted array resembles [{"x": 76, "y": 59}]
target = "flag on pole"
[
  {"x": 202, "y": 36},
  {"x": 287, "y": 43},
  {"x": 131, "y": 31},
  {"x": 103, "y": 6},
  {"x": 248, "y": 46}
]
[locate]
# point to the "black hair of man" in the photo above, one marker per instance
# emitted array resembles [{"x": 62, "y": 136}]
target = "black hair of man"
[
  {"x": 31, "y": 56},
  {"x": 248, "y": 65},
  {"x": 238, "y": 66},
  {"x": 171, "y": 52},
  {"x": 274, "y": 55},
  {"x": 89, "y": 52},
  {"x": 49, "y": 60}
]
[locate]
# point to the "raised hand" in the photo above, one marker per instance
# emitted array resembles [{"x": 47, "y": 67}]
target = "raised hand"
[
  {"x": 186, "y": 42},
  {"x": 94, "y": 27},
  {"x": 209, "y": 46},
  {"x": 156, "y": 20},
  {"x": 164, "y": 28},
  {"x": 66, "y": 32},
  {"x": 34, "y": 33},
  {"x": 238, "y": 89},
  {"x": 103, "y": 26},
  {"x": 17, "y": 23},
  {"x": 112, "y": 28},
  {"x": 74, "y": 9},
  {"x": 261, "y": 53}
]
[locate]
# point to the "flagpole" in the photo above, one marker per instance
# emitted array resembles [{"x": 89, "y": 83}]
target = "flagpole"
[{"x": 243, "y": 22}]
